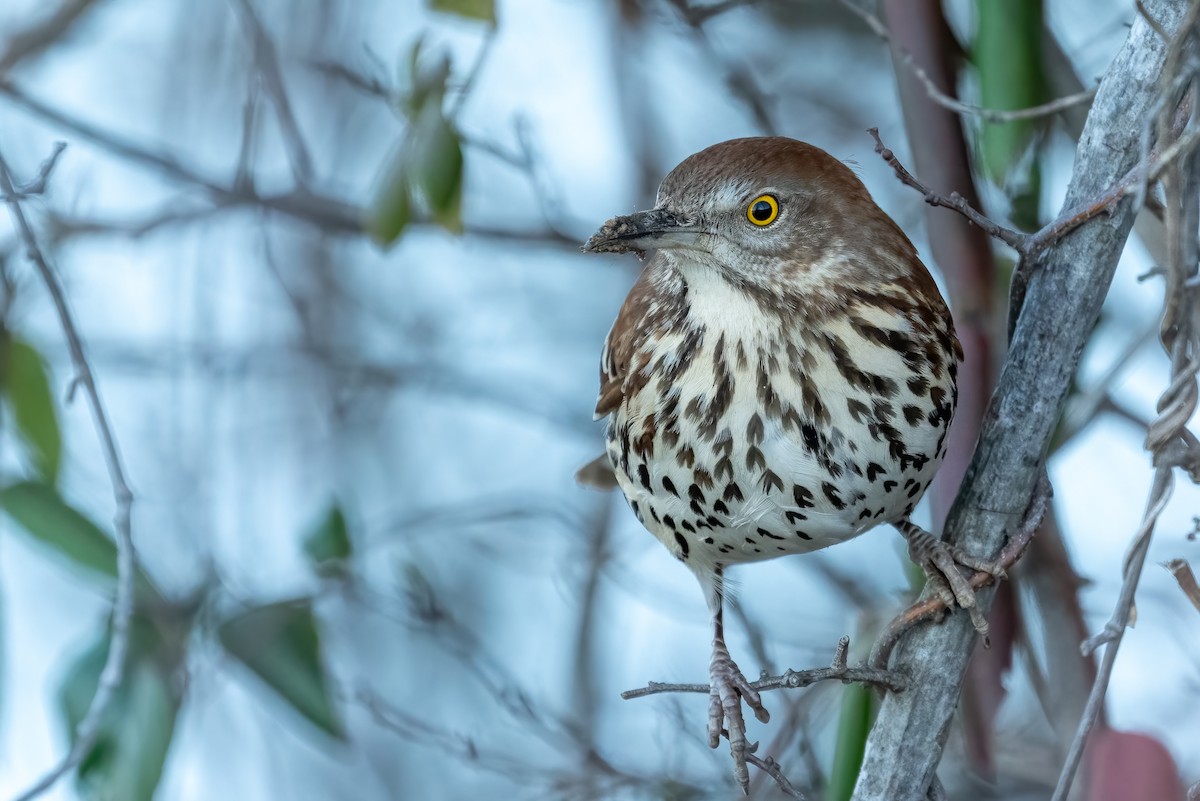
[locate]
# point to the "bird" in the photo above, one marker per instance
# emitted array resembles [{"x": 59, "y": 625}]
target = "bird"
[{"x": 780, "y": 378}]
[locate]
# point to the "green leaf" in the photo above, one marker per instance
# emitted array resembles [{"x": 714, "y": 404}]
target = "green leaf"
[
  {"x": 438, "y": 163},
  {"x": 854, "y": 724},
  {"x": 26, "y": 384},
  {"x": 429, "y": 165},
  {"x": 42, "y": 512},
  {"x": 390, "y": 211},
  {"x": 328, "y": 546},
  {"x": 484, "y": 10},
  {"x": 449, "y": 215},
  {"x": 45, "y": 515},
  {"x": 135, "y": 732},
  {"x": 280, "y": 642}
]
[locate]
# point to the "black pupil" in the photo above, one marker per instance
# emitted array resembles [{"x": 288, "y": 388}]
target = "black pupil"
[{"x": 761, "y": 211}]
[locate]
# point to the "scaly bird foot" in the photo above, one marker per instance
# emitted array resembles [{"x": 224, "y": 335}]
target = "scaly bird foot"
[
  {"x": 941, "y": 561},
  {"x": 727, "y": 689}
]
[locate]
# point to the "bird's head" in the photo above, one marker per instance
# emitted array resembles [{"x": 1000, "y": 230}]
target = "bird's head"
[{"x": 766, "y": 212}]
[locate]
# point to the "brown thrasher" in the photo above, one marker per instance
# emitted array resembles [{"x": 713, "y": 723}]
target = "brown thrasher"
[{"x": 781, "y": 377}]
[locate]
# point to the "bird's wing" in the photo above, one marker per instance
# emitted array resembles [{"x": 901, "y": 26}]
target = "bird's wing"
[
  {"x": 614, "y": 370},
  {"x": 620, "y": 344}
]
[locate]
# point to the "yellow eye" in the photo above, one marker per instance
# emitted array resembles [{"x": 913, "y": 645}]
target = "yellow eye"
[{"x": 762, "y": 210}]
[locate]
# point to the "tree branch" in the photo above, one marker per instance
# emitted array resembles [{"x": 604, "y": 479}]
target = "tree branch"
[
  {"x": 329, "y": 214},
  {"x": 1180, "y": 335},
  {"x": 114, "y": 664},
  {"x": 266, "y": 61},
  {"x": 43, "y": 35},
  {"x": 905, "y": 745},
  {"x": 954, "y": 104}
]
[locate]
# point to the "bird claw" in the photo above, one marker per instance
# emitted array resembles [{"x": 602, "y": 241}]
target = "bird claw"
[
  {"x": 940, "y": 561},
  {"x": 727, "y": 689}
]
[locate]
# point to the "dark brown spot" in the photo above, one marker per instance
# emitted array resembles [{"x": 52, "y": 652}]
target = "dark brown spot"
[
  {"x": 686, "y": 457},
  {"x": 754, "y": 429},
  {"x": 802, "y": 496},
  {"x": 669, "y": 486},
  {"x": 724, "y": 468},
  {"x": 644, "y": 445},
  {"x": 832, "y": 494},
  {"x": 683, "y": 543}
]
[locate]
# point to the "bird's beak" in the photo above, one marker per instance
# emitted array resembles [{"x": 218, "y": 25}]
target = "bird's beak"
[{"x": 643, "y": 230}]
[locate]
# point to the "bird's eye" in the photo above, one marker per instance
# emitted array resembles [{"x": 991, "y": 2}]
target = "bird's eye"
[{"x": 762, "y": 210}]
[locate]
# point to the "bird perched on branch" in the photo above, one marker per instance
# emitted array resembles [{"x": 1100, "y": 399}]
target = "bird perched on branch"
[{"x": 781, "y": 377}]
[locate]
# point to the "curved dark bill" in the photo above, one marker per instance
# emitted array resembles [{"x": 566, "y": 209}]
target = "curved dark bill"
[{"x": 642, "y": 230}]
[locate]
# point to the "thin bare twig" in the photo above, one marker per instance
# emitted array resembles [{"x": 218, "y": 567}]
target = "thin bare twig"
[
  {"x": 44, "y": 34},
  {"x": 794, "y": 679},
  {"x": 329, "y": 214},
  {"x": 956, "y": 202},
  {"x": 954, "y": 104},
  {"x": 481, "y": 58},
  {"x": 37, "y": 186},
  {"x": 114, "y": 664},
  {"x": 740, "y": 80},
  {"x": 1182, "y": 571},
  {"x": 1091, "y": 401},
  {"x": 1031, "y": 245},
  {"x": 769, "y": 766},
  {"x": 266, "y": 60}
]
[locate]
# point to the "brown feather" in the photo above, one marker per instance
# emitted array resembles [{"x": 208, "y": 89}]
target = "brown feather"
[{"x": 620, "y": 344}]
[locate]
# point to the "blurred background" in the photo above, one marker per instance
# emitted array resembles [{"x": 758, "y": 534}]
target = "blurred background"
[{"x": 325, "y": 260}]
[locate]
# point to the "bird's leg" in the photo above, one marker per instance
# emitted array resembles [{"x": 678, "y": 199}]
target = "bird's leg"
[
  {"x": 728, "y": 687},
  {"x": 940, "y": 561}
]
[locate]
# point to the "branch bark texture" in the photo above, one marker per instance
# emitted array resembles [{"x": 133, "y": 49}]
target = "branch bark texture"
[{"x": 1062, "y": 304}]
